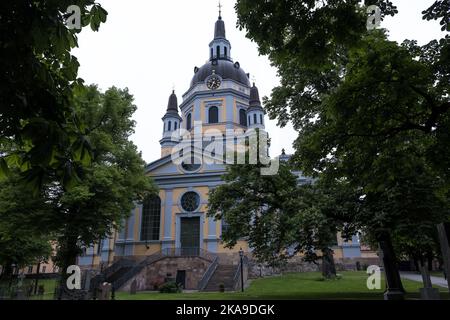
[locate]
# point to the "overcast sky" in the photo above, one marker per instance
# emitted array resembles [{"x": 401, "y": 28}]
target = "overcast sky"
[{"x": 152, "y": 46}]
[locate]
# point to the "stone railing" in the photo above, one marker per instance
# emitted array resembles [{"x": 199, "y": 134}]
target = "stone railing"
[
  {"x": 109, "y": 271},
  {"x": 136, "y": 269},
  {"x": 208, "y": 274}
]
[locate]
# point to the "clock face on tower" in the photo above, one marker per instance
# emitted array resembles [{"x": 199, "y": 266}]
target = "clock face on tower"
[{"x": 213, "y": 82}]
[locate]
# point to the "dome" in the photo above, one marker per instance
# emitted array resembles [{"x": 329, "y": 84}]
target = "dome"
[{"x": 224, "y": 68}]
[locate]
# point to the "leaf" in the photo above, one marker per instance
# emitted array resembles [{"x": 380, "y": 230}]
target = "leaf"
[
  {"x": 82, "y": 151},
  {"x": 102, "y": 13},
  {"x": 4, "y": 170}
]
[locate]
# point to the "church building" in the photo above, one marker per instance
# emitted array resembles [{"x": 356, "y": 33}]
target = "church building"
[{"x": 170, "y": 235}]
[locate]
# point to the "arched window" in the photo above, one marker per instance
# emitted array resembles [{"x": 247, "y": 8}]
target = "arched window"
[
  {"x": 218, "y": 52},
  {"x": 225, "y": 53},
  {"x": 170, "y": 126},
  {"x": 212, "y": 53},
  {"x": 189, "y": 122},
  {"x": 175, "y": 126},
  {"x": 242, "y": 117},
  {"x": 261, "y": 118},
  {"x": 255, "y": 120},
  {"x": 151, "y": 218},
  {"x": 213, "y": 115}
]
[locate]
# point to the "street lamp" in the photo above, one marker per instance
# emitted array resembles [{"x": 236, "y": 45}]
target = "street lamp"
[{"x": 241, "y": 255}]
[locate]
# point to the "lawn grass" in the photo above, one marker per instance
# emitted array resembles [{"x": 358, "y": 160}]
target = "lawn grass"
[
  {"x": 49, "y": 289},
  {"x": 293, "y": 286},
  {"x": 437, "y": 274}
]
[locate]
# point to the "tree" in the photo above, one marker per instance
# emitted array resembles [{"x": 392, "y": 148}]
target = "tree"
[
  {"x": 409, "y": 208},
  {"x": 367, "y": 109},
  {"x": 108, "y": 189},
  {"x": 21, "y": 240},
  {"x": 37, "y": 78},
  {"x": 256, "y": 207},
  {"x": 278, "y": 217}
]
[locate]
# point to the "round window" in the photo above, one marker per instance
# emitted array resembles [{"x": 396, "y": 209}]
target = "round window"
[
  {"x": 191, "y": 166},
  {"x": 190, "y": 201}
]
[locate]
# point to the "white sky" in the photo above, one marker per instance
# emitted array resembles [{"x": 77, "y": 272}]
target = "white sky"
[{"x": 151, "y": 46}]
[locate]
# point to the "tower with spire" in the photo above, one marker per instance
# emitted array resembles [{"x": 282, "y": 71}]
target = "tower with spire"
[
  {"x": 220, "y": 47},
  {"x": 255, "y": 112},
  {"x": 171, "y": 126}
]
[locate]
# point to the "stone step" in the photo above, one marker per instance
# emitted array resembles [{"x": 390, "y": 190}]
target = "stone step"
[{"x": 223, "y": 275}]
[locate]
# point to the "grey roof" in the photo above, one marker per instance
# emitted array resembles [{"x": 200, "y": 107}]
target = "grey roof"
[
  {"x": 219, "y": 30},
  {"x": 172, "y": 106},
  {"x": 224, "y": 68},
  {"x": 254, "y": 97},
  {"x": 254, "y": 102}
]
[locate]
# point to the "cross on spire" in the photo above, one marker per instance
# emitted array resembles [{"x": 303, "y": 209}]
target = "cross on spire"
[{"x": 220, "y": 9}]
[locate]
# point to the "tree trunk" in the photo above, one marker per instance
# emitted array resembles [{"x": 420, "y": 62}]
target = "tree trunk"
[
  {"x": 394, "y": 290},
  {"x": 328, "y": 266},
  {"x": 68, "y": 256},
  {"x": 444, "y": 239},
  {"x": 425, "y": 274},
  {"x": 37, "y": 277}
]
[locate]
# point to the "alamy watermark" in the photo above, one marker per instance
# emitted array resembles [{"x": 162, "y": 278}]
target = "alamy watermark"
[
  {"x": 73, "y": 21},
  {"x": 374, "y": 280},
  {"x": 73, "y": 282},
  {"x": 374, "y": 19}
]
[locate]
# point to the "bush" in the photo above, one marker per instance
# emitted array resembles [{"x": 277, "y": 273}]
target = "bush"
[
  {"x": 170, "y": 287},
  {"x": 222, "y": 287}
]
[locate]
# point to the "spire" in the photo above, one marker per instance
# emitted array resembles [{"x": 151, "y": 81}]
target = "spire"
[
  {"x": 254, "y": 97},
  {"x": 172, "y": 106},
  {"x": 219, "y": 30},
  {"x": 219, "y": 47}
]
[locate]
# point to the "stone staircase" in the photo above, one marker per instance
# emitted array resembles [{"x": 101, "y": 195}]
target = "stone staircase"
[
  {"x": 118, "y": 274},
  {"x": 224, "y": 274}
]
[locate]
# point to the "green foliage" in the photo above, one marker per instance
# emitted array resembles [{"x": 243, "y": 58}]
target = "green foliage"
[
  {"x": 170, "y": 287},
  {"x": 109, "y": 188},
  {"x": 278, "y": 217},
  {"x": 439, "y": 10},
  {"x": 22, "y": 241},
  {"x": 255, "y": 207},
  {"x": 370, "y": 112},
  {"x": 308, "y": 32},
  {"x": 39, "y": 75}
]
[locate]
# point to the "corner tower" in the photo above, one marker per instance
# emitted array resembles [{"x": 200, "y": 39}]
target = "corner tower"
[
  {"x": 255, "y": 112},
  {"x": 171, "y": 127}
]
